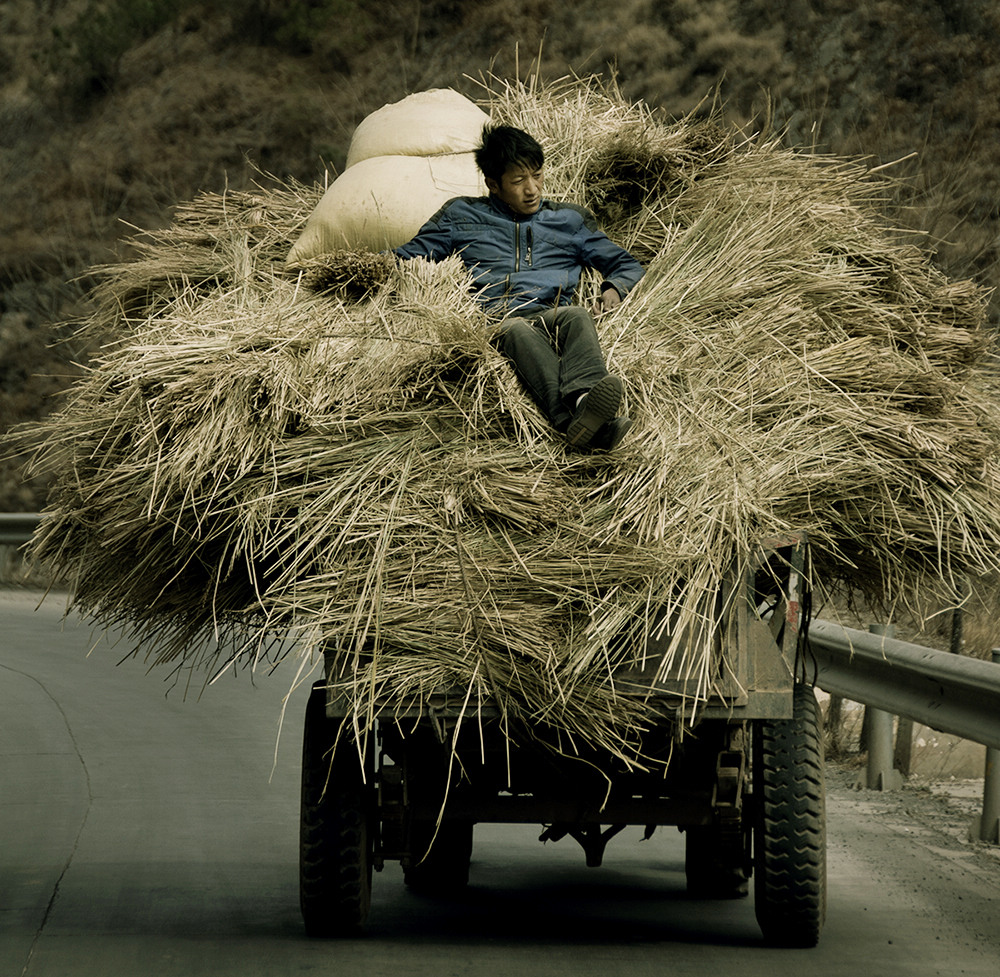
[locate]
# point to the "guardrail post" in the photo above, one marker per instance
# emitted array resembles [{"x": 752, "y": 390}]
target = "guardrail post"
[
  {"x": 902, "y": 758},
  {"x": 880, "y": 773},
  {"x": 986, "y": 827},
  {"x": 958, "y": 616}
]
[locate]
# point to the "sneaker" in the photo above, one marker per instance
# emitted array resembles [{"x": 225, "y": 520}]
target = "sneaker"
[
  {"x": 599, "y": 406},
  {"x": 610, "y": 434}
]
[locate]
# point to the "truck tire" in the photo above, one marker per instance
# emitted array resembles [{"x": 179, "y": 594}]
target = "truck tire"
[
  {"x": 445, "y": 868},
  {"x": 336, "y": 832},
  {"x": 790, "y": 825}
]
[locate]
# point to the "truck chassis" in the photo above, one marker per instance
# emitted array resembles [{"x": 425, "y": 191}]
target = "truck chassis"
[{"x": 744, "y": 782}]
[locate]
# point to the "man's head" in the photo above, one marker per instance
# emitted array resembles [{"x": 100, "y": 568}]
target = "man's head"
[{"x": 511, "y": 162}]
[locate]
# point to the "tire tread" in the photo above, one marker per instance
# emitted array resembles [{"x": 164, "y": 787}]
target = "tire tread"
[{"x": 790, "y": 840}]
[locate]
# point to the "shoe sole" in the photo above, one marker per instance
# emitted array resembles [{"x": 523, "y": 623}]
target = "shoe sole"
[
  {"x": 599, "y": 406},
  {"x": 619, "y": 435}
]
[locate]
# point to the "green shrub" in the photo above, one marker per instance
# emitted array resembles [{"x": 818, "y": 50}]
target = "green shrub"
[
  {"x": 298, "y": 26},
  {"x": 86, "y": 56}
]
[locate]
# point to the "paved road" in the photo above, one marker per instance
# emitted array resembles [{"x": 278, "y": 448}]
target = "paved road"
[{"x": 145, "y": 834}]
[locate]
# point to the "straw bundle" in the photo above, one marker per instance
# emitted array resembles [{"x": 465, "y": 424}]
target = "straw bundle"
[{"x": 258, "y": 453}]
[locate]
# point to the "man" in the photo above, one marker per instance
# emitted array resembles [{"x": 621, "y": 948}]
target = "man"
[{"x": 527, "y": 254}]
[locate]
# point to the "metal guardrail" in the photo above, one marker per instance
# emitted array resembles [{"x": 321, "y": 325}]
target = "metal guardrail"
[
  {"x": 940, "y": 689},
  {"x": 947, "y": 692},
  {"x": 16, "y": 528}
]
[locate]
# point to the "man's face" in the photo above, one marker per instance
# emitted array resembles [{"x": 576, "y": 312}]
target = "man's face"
[{"x": 520, "y": 188}]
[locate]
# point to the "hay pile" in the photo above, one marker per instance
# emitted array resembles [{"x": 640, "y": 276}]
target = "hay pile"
[{"x": 258, "y": 453}]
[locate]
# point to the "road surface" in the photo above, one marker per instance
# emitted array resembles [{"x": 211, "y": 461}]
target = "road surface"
[{"x": 144, "y": 832}]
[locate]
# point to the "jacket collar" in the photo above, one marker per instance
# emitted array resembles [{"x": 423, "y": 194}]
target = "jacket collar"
[{"x": 498, "y": 205}]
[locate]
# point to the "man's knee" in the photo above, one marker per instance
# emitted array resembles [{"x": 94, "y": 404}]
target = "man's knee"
[
  {"x": 579, "y": 316},
  {"x": 576, "y": 328},
  {"x": 514, "y": 333}
]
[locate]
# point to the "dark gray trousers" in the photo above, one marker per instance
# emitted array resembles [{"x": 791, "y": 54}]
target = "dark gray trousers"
[{"x": 556, "y": 355}]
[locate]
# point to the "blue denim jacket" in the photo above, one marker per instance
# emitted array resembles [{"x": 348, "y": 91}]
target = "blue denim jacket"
[{"x": 523, "y": 264}]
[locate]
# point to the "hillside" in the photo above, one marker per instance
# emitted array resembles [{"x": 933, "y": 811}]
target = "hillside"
[{"x": 113, "y": 111}]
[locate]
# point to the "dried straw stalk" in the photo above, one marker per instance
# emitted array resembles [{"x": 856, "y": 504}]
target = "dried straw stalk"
[{"x": 251, "y": 457}]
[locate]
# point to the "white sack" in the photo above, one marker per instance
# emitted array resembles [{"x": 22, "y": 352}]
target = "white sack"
[
  {"x": 431, "y": 123},
  {"x": 382, "y": 202}
]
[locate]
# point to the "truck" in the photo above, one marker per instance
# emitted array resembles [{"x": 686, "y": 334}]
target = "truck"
[{"x": 739, "y": 771}]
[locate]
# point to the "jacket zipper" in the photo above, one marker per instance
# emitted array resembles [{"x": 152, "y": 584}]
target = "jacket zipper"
[{"x": 529, "y": 239}]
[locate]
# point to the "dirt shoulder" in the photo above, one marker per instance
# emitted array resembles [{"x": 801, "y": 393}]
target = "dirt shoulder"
[{"x": 936, "y": 813}]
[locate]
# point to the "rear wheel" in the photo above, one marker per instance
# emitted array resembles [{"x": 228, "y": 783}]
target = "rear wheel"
[
  {"x": 790, "y": 825},
  {"x": 715, "y": 862},
  {"x": 717, "y": 854},
  {"x": 336, "y": 830}
]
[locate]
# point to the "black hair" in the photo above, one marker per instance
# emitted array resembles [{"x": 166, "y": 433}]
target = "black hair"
[{"x": 505, "y": 145}]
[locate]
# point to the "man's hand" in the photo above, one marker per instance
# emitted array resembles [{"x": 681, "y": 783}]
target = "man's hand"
[{"x": 610, "y": 299}]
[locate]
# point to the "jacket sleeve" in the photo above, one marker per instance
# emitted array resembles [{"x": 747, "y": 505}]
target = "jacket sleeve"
[
  {"x": 620, "y": 269},
  {"x": 434, "y": 240}
]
